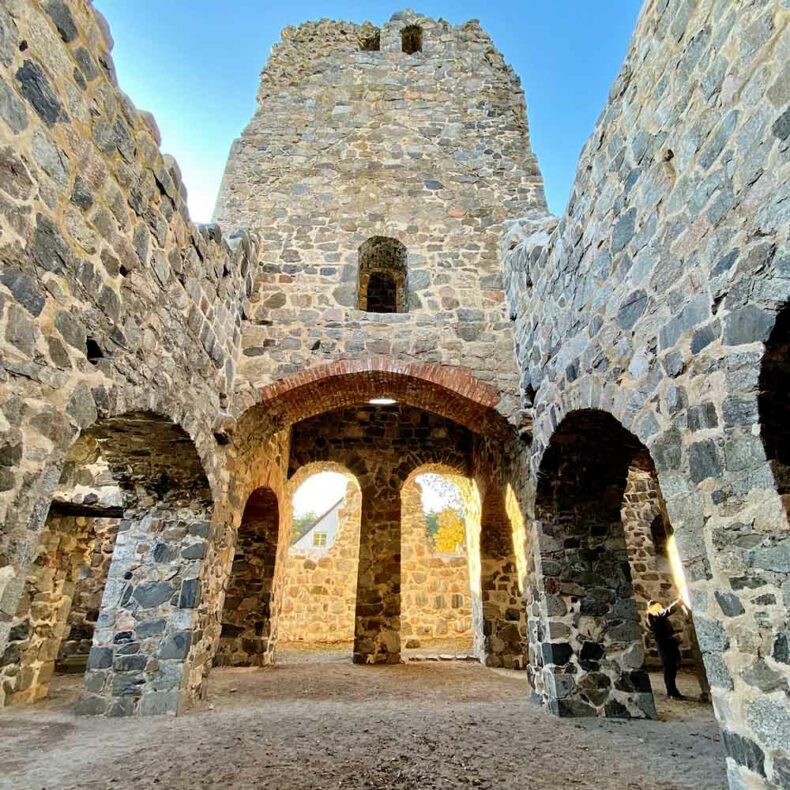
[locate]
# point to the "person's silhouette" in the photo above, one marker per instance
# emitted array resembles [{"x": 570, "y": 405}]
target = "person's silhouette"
[{"x": 667, "y": 642}]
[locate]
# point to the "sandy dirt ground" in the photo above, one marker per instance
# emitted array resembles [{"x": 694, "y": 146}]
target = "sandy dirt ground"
[{"x": 317, "y": 721}]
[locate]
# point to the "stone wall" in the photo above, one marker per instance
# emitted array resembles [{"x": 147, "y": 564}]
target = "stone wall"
[
  {"x": 256, "y": 456},
  {"x": 245, "y": 639},
  {"x": 86, "y": 601},
  {"x": 111, "y": 301},
  {"x": 42, "y": 613},
  {"x": 651, "y": 300},
  {"x": 429, "y": 150}
]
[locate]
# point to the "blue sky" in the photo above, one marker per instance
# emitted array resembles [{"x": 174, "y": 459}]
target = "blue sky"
[{"x": 195, "y": 64}]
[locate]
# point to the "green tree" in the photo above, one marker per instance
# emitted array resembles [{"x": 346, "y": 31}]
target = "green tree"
[{"x": 301, "y": 525}]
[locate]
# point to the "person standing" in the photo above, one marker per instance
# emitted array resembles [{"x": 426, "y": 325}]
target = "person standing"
[{"x": 667, "y": 642}]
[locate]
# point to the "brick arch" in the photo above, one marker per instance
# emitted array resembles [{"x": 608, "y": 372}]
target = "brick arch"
[{"x": 445, "y": 390}]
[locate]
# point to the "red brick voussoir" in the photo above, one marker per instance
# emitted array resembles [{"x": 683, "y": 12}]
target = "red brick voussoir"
[{"x": 449, "y": 391}]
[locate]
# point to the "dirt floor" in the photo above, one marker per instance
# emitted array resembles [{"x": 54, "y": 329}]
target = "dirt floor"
[{"x": 317, "y": 721}]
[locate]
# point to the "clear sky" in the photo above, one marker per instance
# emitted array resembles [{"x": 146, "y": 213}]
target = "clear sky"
[{"x": 195, "y": 65}]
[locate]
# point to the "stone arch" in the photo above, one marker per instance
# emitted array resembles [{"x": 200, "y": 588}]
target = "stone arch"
[
  {"x": 319, "y": 592},
  {"x": 445, "y": 390},
  {"x": 382, "y": 276},
  {"x": 142, "y": 470},
  {"x": 248, "y": 637},
  {"x": 589, "y": 656},
  {"x": 774, "y": 404},
  {"x": 440, "y": 595},
  {"x": 411, "y": 39}
]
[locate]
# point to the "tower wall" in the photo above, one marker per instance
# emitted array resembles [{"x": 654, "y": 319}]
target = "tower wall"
[{"x": 431, "y": 149}]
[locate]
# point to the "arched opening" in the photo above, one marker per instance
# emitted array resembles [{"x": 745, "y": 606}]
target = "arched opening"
[
  {"x": 440, "y": 556},
  {"x": 370, "y": 39},
  {"x": 381, "y": 445},
  {"x": 774, "y": 404},
  {"x": 411, "y": 39},
  {"x": 319, "y": 596},
  {"x": 382, "y": 293},
  {"x": 382, "y": 276},
  {"x": 247, "y": 618},
  {"x": 381, "y": 421},
  {"x": 597, "y": 493},
  {"x": 115, "y": 563},
  {"x": 656, "y": 571}
]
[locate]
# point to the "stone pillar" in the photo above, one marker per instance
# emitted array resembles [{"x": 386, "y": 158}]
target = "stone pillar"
[
  {"x": 377, "y": 629},
  {"x": 144, "y": 632},
  {"x": 87, "y": 596},
  {"x": 504, "y": 626},
  {"x": 589, "y": 636},
  {"x": 247, "y": 638}
]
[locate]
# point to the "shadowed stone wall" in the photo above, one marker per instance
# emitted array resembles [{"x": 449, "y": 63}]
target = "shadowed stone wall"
[
  {"x": 652, "y": 298},
  {"x": 86, "y": 601},
  {"x": 644, "y": 527},
  {"x": 247, "y": 615}
]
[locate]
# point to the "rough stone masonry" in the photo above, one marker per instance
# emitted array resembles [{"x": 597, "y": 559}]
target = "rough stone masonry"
[{"x": 383, "y": 233}]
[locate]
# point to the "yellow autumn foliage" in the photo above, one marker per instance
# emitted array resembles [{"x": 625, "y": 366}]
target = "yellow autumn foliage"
[{"x": 450, "y": 537}]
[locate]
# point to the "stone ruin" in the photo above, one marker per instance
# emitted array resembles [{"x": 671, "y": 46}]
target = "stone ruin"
[{"x": 598, "y": 381}]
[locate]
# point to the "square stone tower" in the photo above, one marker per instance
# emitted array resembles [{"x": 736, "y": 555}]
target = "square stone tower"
[{"x": 378, "y": 170}]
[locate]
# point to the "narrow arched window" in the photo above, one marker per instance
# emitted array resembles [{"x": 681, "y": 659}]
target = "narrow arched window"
[
  {"x": 382, "y": 293},
  {"x": 382, "y": 281},
  {"x": 411, "y": 39}
]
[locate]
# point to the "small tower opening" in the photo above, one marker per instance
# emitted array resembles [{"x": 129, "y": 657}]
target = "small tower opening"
[
  {"x": 370, "y": 40},
  {"x": 411, "y": 39},
  {"x": 382, "y": 293},
  {"x": 382, "y": 282}
]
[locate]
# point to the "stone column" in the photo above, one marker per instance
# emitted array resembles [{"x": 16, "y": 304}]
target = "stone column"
[
  {"x": 144, "y": 631},
  {"x": 247, "y": 637},
  {"x": 504, "y": 627},
  {"x": 377, "y": 629},
  {"x": 589, "y": 652}
]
